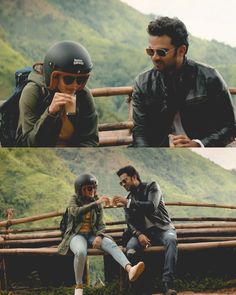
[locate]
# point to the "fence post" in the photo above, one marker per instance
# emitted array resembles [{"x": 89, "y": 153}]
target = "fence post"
[
  {"x": 130, "y": 108},
  {"x": 87, "y": 272},
  {"x": 3, "y": 270}
]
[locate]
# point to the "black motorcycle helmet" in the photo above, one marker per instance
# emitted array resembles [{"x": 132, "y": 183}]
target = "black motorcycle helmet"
[
  {"x": 66, "y": 56},
  {"x": 84, "y": 179}
]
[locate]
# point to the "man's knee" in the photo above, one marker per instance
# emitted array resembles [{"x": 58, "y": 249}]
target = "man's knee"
[
  {"x": 170, "y": 239},
  {"x": 131, "y": 252},
  {"x": 132, "y": 255}
]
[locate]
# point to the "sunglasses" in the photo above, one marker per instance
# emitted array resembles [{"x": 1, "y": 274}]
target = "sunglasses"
[
  {"x": 91, "y": 187},
  {"x": 67, "y": 78},
  {"x": 79, "y": 79},
  {"x": 123, "y": 182},
  {"x": 160, "y": 52}
]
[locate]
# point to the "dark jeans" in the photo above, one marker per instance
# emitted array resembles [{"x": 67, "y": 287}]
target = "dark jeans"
[{"x": 166, "y": 238}]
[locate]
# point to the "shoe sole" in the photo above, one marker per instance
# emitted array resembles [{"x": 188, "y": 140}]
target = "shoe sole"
[{"x": 140, "y": 270}]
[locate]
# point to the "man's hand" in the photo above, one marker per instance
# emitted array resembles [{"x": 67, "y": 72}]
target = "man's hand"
[
  {"x": 182, "y": 141},
  {"x": 97, "y": 242},
  {"x": 103, "y": 199},
  {"x": 117, "y": 200},
  {"x": 144, "y": 241},
  {"x": 59, "y": 100}
]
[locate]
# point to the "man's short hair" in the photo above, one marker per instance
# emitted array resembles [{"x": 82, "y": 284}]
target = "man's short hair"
[
  {"x": 172, "y": 27},
  {"x": 130, "y": 171}
]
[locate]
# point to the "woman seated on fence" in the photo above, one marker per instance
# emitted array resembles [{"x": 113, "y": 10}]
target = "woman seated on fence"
[{"x": 86, "y": 228}]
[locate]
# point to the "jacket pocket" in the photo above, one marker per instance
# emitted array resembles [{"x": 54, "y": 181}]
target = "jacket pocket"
[{"x": 196, "y": 98}]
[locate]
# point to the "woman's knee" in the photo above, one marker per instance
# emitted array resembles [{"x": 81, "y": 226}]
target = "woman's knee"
[
  {"x": 106, "y": 242},
  {"x": 80, "y": 253}
]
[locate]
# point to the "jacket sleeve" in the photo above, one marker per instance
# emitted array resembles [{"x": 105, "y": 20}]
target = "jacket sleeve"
[
  {"x": 139, "y": 116},
  {"x": 33, "y": 127},
  {"x": 152, "y": 203},
  {"x": 146, "y": 207},
  {"x": 75, "y": 210},
  {"x": 87, "y": 129},
  {"x": 225, "y": 120},
  {"x": 132, "y": 228}
]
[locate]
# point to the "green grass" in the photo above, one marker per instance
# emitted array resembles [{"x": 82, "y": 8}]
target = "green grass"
[{"x": 188, "y": 283}]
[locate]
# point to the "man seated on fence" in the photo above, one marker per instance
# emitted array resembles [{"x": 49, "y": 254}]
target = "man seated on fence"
[
  {"x": 86, "y": 227},
  {"x": 187, "y": 100},
  {"x": 148, "y": 221},
  {"x": 56, "y": 109}
]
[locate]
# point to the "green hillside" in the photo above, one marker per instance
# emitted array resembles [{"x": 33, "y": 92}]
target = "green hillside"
[
  {"x": 183, "y": 175},
  {"x": 10, "y": 61},
  {"x": 34, "y": 181},
  {"x": 114, "y": 33}
]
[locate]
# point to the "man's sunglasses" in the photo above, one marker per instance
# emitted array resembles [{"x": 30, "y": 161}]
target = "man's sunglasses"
[
  {"x": 123, "y": 182},
  {"x": 160, "y": 52},
  {"x": 91, "y": 187}
]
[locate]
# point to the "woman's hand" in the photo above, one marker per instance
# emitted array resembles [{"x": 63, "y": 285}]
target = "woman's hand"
[
  {"x": 97, "y": 242},
  {"x": 59, "y": 100},
  {"x": 103, "y": 199}
]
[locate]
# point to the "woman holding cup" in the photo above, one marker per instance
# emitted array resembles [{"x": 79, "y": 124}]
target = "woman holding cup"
[
  {"x": 86, "y": 228},
  {"x": 56, "y": 107}
]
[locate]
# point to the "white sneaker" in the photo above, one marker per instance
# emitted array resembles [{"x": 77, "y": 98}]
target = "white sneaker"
[
  {"x": 78, "y": 292},
  {"x": 136, "y": 271}
]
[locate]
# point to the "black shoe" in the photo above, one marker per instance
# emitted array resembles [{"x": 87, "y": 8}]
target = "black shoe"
[{"x": 169, "y": 289}]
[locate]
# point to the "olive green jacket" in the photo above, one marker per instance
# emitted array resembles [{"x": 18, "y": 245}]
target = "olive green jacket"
[
  {"x": 38, "y": 128},
  {"x": 76, "y": 210}
]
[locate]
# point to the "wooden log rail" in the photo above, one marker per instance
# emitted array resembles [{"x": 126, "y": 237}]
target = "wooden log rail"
[
  {"x": 10, "y": 222},
  {"x": 184, "y": 236},
  {"x": 208, "y": 229},
  {"x": 126, "y": 90},
  {"x": 95, "y": 252}
]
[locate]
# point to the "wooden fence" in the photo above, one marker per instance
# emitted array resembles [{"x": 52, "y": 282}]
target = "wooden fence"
[
  {"x": 119, "y": 133},
  {"x": 194, "y": 234}
]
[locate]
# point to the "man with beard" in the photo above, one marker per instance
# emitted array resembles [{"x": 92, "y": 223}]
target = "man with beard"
[
  {"x": 179, "y": 102},
  {"x": 148, "y": 222}
]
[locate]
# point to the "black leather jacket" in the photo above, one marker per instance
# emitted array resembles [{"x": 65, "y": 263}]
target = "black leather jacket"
[
  {"x": 146, "y": 200},
  {"x": 200, "y": 95}
]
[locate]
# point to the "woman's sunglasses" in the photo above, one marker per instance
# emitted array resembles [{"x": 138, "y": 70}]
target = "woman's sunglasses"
[
  {"x": 68, "y": 78},
  {"x": 79, "y": 79},
  {"x": 91, "y": 187},
  {"x": 160, "y": 52}
]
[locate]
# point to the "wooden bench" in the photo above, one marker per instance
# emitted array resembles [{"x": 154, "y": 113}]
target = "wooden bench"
[{"x": 194, "y": 234}]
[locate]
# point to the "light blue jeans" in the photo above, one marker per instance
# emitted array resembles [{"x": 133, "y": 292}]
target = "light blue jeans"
[{"x": 79, "y": 245}]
